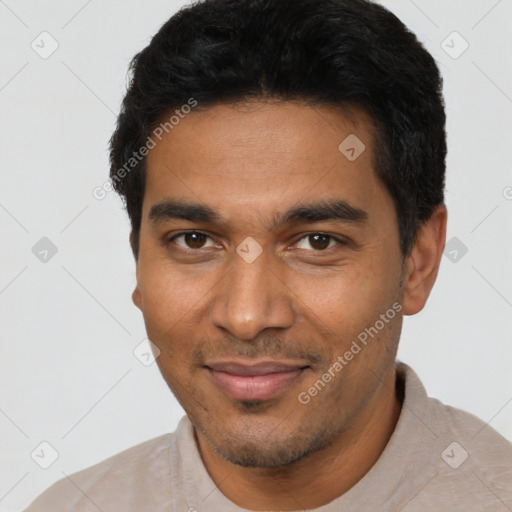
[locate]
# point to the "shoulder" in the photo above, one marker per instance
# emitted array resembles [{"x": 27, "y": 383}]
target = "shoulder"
[
  {"x": 466, "y": 461},
  {"x": 113, "y": 482},
  {"x": 473, "y": 468},
  {"x": 468, "y": 433},
  {"x": 484, "y": 455}
]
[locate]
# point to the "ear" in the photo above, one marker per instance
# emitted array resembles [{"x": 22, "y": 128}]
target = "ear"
[
  {"x": 422, "y": 265},
  {"x": 137, "y": 298},
  {"x": 136, "y": 295}
]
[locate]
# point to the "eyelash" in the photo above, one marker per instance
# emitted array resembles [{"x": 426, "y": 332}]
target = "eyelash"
[{"x": 339, "y": 241}]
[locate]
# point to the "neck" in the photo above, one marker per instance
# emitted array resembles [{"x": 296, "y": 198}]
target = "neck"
[{"x": 320, "y": 477}]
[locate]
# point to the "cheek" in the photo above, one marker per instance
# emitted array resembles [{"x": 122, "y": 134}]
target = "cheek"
[
  {"x": 166, "y": 308},
  {"x": 342, "y": 305},
  {"x": 341, "y": 297},
  {"x": 175, "y": 308},
  {"x": 165, "y": 298}
]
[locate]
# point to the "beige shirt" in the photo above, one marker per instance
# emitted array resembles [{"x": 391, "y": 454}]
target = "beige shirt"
[{"x": 438, "y": 459}]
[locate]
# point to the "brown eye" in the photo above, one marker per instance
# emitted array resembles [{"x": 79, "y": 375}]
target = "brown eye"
[
  {"x": 317, "y": 242},
  {"x": 191, "y": 240},
  {"x": 195, "y": 240}
]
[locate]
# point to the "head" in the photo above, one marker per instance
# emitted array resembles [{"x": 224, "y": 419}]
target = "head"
[{"x": 282, "y": 164}]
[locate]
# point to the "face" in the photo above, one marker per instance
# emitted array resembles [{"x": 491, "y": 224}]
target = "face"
[{"x": 265, "y": 254}]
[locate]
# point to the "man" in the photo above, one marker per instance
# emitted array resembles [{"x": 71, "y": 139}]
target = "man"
[{"x": 282, "y": 164}]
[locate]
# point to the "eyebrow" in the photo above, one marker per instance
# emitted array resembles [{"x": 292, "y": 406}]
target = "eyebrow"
[{"x": 338, "y": 210}]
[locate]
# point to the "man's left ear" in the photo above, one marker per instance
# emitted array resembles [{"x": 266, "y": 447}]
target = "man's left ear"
[{"x": 422, "y": 265}]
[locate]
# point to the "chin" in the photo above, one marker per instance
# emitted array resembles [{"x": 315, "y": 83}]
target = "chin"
[
  {"x": 250, "y": 456},
  {"x": 264, "y": 450}
]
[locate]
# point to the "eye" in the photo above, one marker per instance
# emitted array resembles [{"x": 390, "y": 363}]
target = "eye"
[
  {"x": 319, "y": 242},
  {"x": 191, "y": 240}
]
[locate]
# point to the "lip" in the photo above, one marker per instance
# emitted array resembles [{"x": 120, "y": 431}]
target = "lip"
[{"x": 259, "y": 380}]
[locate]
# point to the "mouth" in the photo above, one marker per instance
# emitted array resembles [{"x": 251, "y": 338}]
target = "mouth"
[{"x": 260, "y": 380}]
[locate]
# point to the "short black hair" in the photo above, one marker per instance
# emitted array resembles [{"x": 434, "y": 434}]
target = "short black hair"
[{"x": 335, "y": 52}]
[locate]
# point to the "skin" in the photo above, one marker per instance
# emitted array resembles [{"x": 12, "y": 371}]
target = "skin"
[{"x": 297, "y": 300}]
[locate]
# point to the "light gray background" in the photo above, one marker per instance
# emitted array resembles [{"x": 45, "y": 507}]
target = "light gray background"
[{"x": 68, "y": 374}]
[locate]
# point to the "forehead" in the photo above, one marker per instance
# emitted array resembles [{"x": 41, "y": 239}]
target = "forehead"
[{"x": 260, "y": 156}]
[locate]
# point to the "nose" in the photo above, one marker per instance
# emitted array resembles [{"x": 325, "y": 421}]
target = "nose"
[{"x": 250, "y": 299}]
